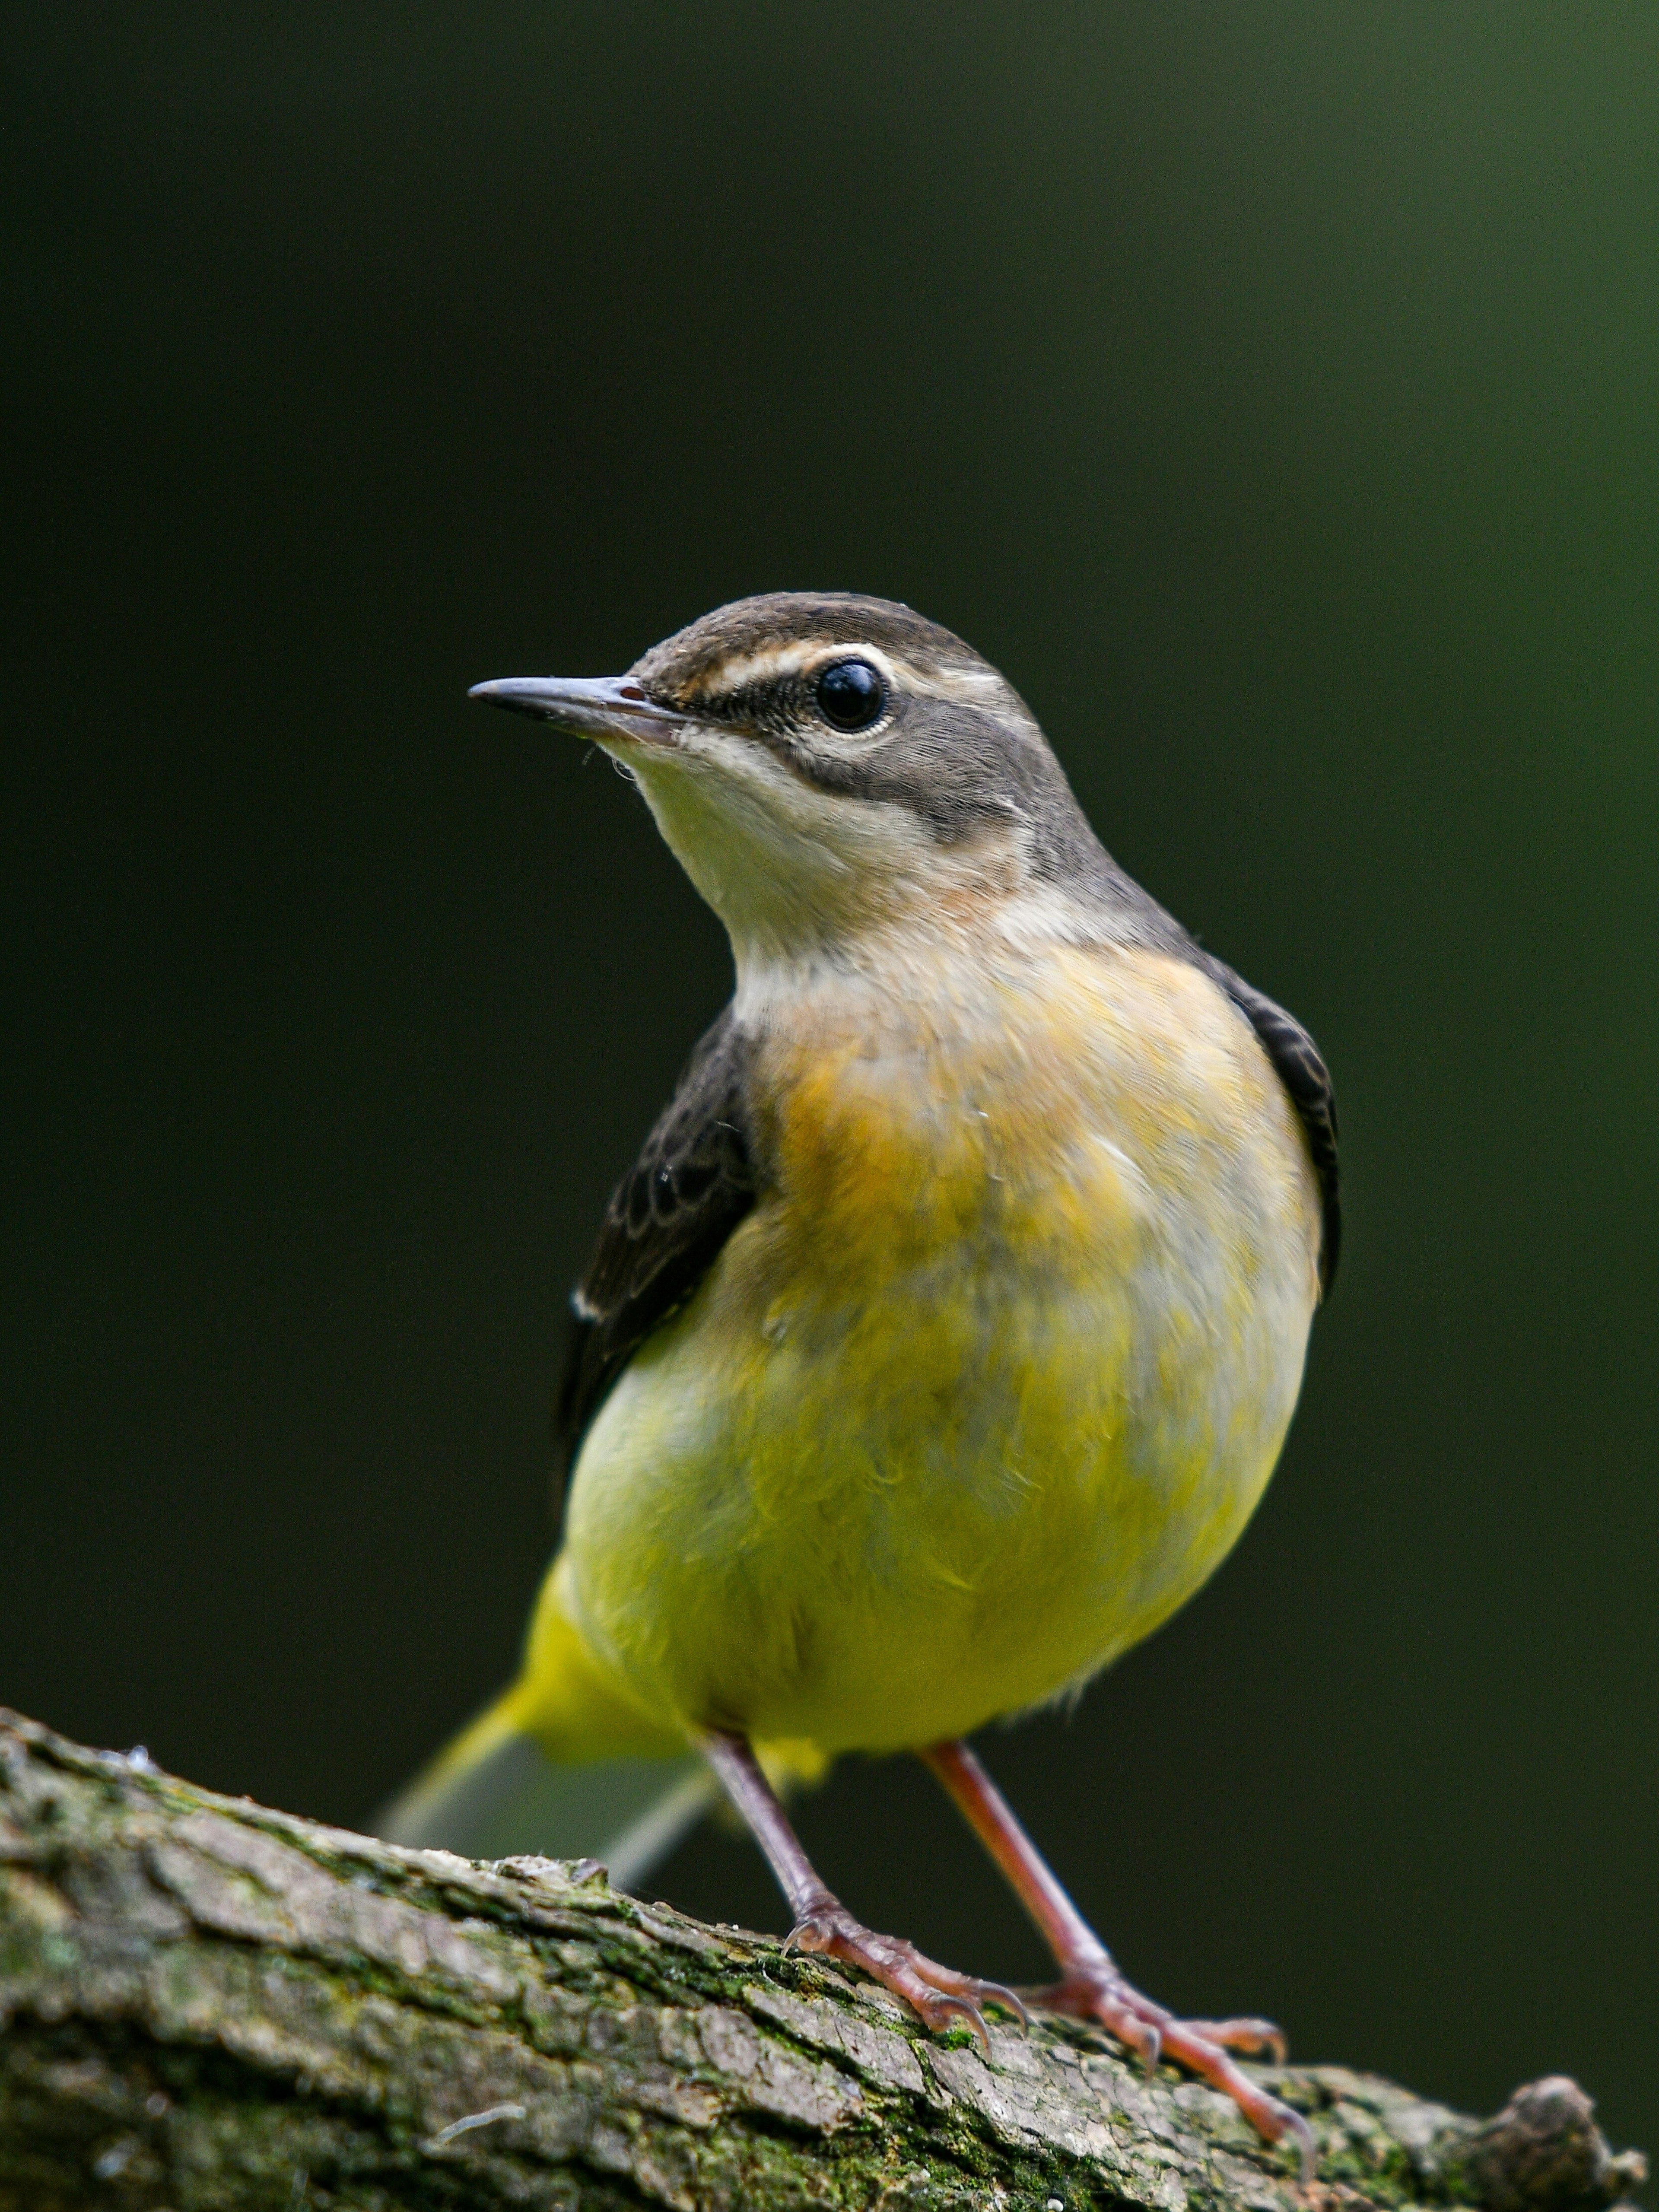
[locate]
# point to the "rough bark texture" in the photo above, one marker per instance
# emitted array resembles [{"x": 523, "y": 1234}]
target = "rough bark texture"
[{"x": 206, "y": 2004}]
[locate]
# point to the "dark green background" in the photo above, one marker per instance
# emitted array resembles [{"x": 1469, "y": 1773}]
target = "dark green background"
[{"x": 1270, "y": 390}]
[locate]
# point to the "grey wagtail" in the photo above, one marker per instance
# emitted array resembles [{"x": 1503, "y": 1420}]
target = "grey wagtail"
[{"x": 944, "y": 1338}]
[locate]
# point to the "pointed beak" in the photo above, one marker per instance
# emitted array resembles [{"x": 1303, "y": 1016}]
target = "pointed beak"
[{"x": 608, "y": 709}]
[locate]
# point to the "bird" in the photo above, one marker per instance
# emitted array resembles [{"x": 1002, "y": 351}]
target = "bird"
[{"x": 945, "y": 1333}]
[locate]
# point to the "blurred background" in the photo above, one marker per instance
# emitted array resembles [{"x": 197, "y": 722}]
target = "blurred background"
[{"x": 1270, "y": 390}]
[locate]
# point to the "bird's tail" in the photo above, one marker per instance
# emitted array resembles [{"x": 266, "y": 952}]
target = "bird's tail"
[
  {"x": 561, "y": 1766},
  {"x": 495, "y": 1793}
]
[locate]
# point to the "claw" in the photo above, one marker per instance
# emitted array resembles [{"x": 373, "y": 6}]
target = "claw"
[
  {"x": 955, "y": 1984},
  {"x": 1010, "y": 2000},
  {"x": 974, "y": 2018},
  {"x": 1295, "y": 2126}
]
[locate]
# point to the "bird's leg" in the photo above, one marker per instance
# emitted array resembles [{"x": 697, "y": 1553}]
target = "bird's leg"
[
  {"x": 1090, "y": 1986},
  {"x": 822, "y": 1922}
]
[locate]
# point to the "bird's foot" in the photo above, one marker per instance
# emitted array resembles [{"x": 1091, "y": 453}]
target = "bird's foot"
[
  {"x": 943, "y": 1997},
  {"x": 1097, "y": 1991}
]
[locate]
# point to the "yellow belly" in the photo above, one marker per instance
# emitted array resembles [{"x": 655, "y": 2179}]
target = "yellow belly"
[{"x": 986, "y": 1386}]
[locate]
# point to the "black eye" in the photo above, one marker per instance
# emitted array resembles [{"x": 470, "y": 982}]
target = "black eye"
[{"x": 850, "y": 695}]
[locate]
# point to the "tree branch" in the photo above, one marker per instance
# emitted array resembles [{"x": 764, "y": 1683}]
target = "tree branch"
[{"x": 204, "y": 2004}]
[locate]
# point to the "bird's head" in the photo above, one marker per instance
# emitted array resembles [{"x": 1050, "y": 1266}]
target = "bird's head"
[{"x": 824, "y": 764}]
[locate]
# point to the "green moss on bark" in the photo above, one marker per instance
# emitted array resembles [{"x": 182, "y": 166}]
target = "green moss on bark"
[{"x": 205, "y": 2004}]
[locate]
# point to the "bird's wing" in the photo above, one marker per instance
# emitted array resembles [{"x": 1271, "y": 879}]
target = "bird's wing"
[
  {"x": 1306, "y": 1079},
  {"x": 667, "y": 1219}
]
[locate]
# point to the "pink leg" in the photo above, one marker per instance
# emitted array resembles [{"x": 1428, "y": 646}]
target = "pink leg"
[
  {"x": 1090, "y": 1986},
  {"x": 823, "y": 1924}
]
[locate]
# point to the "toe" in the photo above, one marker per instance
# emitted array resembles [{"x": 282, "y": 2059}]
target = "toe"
[
  {"x": 1106, "y": 2002},
  {"x": 1250, "y": 2036},
  {"x": 947, "y": 1979},
  {"x": 940, "y": 1997},
  {"x": 1272, "y": 2120},
  {"x": 1202, "y": 2047}
]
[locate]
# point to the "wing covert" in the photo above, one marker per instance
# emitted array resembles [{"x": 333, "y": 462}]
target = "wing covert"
[
  {"x": 1297, "y": 1061},
  {"x": 692, "y": 1184}
]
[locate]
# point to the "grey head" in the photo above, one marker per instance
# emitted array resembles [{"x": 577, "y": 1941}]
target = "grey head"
[
  {"x": 865, "y": 699},
  {"x": 823, "y": 764},
  {"x": 817, "y": 760}
]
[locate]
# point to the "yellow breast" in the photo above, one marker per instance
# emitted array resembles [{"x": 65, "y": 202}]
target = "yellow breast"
[
  {"x": 988, "y": 1382},
  {"x": 1056, "y": 1123}
]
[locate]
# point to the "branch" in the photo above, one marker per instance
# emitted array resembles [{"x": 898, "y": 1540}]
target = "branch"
[{"x": 204, "y": 2004}]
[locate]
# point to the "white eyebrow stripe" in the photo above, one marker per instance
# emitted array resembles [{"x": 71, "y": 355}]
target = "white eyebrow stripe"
[
  {"x": 774, "y": 660},
  {"x": 956, "y": 680}
]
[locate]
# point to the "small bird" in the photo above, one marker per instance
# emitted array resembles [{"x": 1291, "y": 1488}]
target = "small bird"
[{"x": 945, "y": 1334}]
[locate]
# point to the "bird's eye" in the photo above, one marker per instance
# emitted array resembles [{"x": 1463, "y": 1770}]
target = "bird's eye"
[{"x": 850, "y": 695}]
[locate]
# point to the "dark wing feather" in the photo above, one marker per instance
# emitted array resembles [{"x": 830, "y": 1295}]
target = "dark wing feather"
[
  {"x": 667, "y": 1219},
  {"x": 1306, "y": 1077}
]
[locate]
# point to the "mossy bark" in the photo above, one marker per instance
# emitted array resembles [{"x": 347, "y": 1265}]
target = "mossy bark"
[{"x": 203, "y": 2004}]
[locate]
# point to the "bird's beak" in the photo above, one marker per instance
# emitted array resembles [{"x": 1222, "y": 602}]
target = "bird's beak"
[{"x": 608, "y": 708}]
